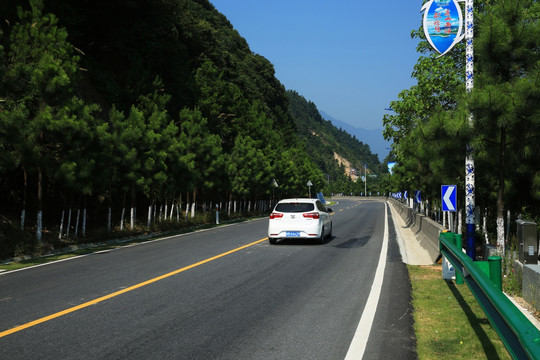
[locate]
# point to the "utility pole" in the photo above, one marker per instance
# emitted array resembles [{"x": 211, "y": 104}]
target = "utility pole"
[{"x": 365, "y": 180}]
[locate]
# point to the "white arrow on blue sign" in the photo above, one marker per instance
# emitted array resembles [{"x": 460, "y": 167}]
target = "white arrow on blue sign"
[
  {"x": 417, "y": 197},
  {"x": 449, "y": 197}
]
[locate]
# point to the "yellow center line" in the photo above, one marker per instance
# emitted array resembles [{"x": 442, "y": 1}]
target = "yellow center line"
[{"x": 123, "y": 291}]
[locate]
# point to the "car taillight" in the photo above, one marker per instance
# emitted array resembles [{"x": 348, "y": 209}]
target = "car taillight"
[
  {"x": 313, "y": 215},
  {"x": 275, "y": 215}
]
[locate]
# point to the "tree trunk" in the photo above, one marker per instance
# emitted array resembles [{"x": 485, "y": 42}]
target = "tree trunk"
[
  {"x": 500, "y": 193},
  {"x": 39, "y": 227},
  {"x": 187, "y": 204},
  {"x": 69, "y": 222},
  {"x": 507, "y": 237},
  {"x": 133, "y": 207},
  {"x": 83, "y": 229},
  {"x": 172, "y": 209},
  {"x": 77, "y": 222},
  {"x": 459, "y": 224},
  {"x": 166, "y": 210},
  {"x": 123, "y": 214},
  {"x": 109, "y": 215},
  {"x": 25, "y": 193},
  {"x": 179, "y": 208},
  {"x": 61, "y": 224},
  {"x": 194, "y": 202},
  {"x": 486, "y": 237},
  {"x": 109, "y": 219},
  {"x": 149, "y": 220}
]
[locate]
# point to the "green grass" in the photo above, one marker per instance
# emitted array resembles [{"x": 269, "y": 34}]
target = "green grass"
[{"x": 449, "y": 322}]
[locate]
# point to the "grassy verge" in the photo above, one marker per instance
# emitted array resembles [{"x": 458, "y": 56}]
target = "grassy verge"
[{"x": 449, "y": 322}]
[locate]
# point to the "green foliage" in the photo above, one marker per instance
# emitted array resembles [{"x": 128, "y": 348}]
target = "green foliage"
[
  {"x": 506, "y": 99},
  {"x": 205, "y": 147},
  {"x": 430, "y": 126}
]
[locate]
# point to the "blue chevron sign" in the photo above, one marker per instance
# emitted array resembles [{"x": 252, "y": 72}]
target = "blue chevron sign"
[{"x": 449, "y": 197}]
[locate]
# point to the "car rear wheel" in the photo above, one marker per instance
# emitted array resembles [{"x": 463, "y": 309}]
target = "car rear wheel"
[
  {"x": 322, "y": 238},
  {"x": 329, "y": 236},
  {"x": 272, "y": 241}
]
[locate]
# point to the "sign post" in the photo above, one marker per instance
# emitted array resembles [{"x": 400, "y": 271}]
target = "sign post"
[
  {"x": 365, "y": 179},
  {"x": 449, "y": 202},
  {"x": 469, "y": 159}
]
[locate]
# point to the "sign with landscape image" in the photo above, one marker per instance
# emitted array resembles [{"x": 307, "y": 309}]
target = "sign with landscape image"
[{"x": 442, "y": 24}]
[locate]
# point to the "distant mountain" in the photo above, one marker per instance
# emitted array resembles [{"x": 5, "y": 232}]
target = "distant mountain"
[{"x": 373, "y": 138}]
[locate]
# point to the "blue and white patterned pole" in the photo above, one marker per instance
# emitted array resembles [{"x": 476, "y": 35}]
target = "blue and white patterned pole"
[
  {"x": 469, "y": 160},
  {"x": 440, "y": 26}
]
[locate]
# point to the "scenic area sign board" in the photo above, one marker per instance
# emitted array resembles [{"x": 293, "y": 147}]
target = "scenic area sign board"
[{"x": 443, "y": 24}]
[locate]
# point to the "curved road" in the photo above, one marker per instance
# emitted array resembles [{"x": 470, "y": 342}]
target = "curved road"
[{"x": 223, "y": 293}]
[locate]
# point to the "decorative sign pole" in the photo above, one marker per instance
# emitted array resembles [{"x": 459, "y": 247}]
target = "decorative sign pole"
[
  {"x": 443, "y": 23},
  {"x": 469, "y": 160}
]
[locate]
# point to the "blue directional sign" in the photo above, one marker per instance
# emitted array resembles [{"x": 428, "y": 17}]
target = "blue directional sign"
[
  {"x": 417, "y": 197},
  {"x": 449, "y": 197},
  {"x": 405, "y": 195}
]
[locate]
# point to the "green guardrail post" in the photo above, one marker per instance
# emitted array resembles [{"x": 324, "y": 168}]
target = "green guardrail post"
[
  {"x": 495, "y": 270},
  {"x": 457, "y": 240},
  {"x": 459, "y": 243}
]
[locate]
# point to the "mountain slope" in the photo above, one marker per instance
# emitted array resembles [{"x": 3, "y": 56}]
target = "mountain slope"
[
  {"x": 373, "y": 138},
  {"x": 334, "y": 150}
]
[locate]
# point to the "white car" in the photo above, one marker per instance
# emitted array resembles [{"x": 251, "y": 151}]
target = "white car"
[{"x": 300, "y": 218}]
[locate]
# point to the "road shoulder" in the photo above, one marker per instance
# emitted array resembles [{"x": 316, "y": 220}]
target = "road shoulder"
[{"x": 411, "y": 250}]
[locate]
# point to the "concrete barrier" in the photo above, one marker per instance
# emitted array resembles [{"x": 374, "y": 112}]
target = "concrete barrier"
[{"x": 426, "y": 230}]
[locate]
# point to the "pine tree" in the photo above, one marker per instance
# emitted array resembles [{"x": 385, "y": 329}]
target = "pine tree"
[
  {"x": 506, "y": 97},
  {"x": 40, "y": 66}
]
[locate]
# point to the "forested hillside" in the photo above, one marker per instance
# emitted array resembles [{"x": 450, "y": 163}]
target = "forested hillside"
[
  {"x": 325, "y": 143},
  {"x": 116, "y": 109}
]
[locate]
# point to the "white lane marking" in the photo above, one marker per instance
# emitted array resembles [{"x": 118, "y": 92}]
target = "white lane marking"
[{"x": 359, "y": 341}]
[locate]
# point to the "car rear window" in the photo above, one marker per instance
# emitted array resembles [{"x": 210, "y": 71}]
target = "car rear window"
[{"x": 294, "y": 207}]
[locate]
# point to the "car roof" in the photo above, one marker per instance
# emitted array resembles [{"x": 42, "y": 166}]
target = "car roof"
[{"x": 304, "y": 200}]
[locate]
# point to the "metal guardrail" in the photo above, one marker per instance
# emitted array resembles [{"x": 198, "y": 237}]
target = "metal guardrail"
[{"x": 519, "y": 335}]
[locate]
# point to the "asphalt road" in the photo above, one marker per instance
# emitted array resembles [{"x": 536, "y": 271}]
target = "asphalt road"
[{"x": 223, "y": 293}]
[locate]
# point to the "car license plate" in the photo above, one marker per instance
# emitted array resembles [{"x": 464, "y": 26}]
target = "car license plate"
[{"x": 292, "y": 234}]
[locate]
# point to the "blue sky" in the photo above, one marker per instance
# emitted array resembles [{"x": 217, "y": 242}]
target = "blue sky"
[{"x": 350, "y": 57}]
